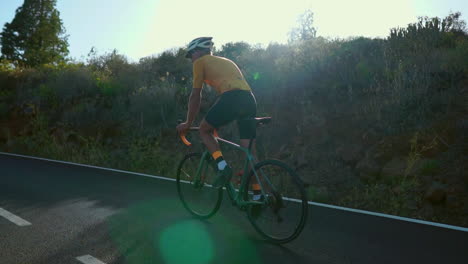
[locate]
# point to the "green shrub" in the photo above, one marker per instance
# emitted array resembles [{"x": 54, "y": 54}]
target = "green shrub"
[
  {"x": 3, "y": 110},
  {"x": 431, "y": 167}
]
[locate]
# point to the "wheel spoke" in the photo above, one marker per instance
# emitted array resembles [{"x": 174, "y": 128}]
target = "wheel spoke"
[
  {"x": 284, "y": 215},
  {"x": 199, "y": 201}
]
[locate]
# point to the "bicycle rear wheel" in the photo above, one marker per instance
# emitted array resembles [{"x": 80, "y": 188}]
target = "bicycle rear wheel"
[
  {"x": 195, "y": 191},
  {"x": 284, "y": 213}
]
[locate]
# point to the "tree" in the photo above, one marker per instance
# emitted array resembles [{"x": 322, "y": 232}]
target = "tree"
[
  {"x": 233, "y": 50},
  {"x": 305, "y": 30},
  {"x": 36, "y": 35}
]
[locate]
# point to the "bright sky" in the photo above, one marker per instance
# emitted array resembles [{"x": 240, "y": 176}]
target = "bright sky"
[{"x": 142, "y": 28}]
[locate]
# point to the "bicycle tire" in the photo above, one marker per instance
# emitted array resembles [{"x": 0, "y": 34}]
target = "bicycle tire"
[
  {"x": 199, "y": 198},
  {"x": 288, "y": 190}
]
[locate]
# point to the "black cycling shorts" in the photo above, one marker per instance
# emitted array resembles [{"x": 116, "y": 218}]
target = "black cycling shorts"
[{"x": 236, "y": 105}]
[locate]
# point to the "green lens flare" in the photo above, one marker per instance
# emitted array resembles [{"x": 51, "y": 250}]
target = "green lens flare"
[
  {"x": 158, "y": 231},
  {"x": 256, "y": 76},
  {"x": 186, "y": 242}
]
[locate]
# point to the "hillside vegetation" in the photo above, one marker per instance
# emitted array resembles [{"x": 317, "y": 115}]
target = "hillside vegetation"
[{"x": 374, "y": 124}]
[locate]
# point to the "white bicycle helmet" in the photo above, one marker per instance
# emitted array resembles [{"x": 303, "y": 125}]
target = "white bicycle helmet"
[{"x": 203, "y": 43}]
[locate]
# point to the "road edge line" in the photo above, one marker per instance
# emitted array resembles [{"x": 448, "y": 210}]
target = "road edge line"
[{"x": 457, "y": 228}]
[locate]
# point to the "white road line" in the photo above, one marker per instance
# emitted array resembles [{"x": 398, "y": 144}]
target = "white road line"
[
  {"x": 90, "y": 166},
  {"x": 458, "y": 228},
  {"x": 88, "y": 259},
  {"x": 13, "y": 218}
]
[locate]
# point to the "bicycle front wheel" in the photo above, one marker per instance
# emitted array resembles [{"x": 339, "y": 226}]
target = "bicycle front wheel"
[
  {"x": 283, "y": 214},
  {"x": 195, "y": 191}
]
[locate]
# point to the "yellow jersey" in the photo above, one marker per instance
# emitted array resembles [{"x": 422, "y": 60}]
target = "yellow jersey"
[{"x": 220, "y": 73}]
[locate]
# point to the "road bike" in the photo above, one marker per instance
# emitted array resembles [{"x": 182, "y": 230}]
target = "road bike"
[{"x": 281, "y": 213}]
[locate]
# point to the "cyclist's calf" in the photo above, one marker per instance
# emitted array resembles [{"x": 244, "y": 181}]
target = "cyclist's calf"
[{"x": 206, "y": 134}]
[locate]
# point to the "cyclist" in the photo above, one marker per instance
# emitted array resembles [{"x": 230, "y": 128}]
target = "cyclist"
[{"x": 235, "y": 102}]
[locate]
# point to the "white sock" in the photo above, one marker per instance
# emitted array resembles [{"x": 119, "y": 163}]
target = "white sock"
[{"x": 222, "y": 164}]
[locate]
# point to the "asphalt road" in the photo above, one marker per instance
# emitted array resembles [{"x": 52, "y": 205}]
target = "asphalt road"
[{"x": 114, "y": 217}]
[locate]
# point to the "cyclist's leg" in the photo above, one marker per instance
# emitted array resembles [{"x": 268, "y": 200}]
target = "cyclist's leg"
[
  {"x": 247, "y": 132},
  {"x": 254, "y": 183},
  {"x": 247, "y": 128},
  {"x": 220, "y": 114},
  {"x": 206, "y": 134}
]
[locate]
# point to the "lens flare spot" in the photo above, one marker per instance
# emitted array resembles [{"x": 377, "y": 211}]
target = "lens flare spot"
[
  {"x": 256, "y": 76},
  {"x": 186, "y": 242}
]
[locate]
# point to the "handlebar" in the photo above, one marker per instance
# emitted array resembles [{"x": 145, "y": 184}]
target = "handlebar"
[{"x": 187, "y": 143}]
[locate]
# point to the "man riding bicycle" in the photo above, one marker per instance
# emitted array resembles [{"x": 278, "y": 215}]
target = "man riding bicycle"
[{"x": 235, "y": 102}]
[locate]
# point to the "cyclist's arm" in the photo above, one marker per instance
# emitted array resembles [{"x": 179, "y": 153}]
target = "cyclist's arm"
[{"x": 194, "y": 105}]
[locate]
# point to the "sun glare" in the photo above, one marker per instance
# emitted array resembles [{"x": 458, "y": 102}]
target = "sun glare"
[{"x": 176, "y": 22}]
